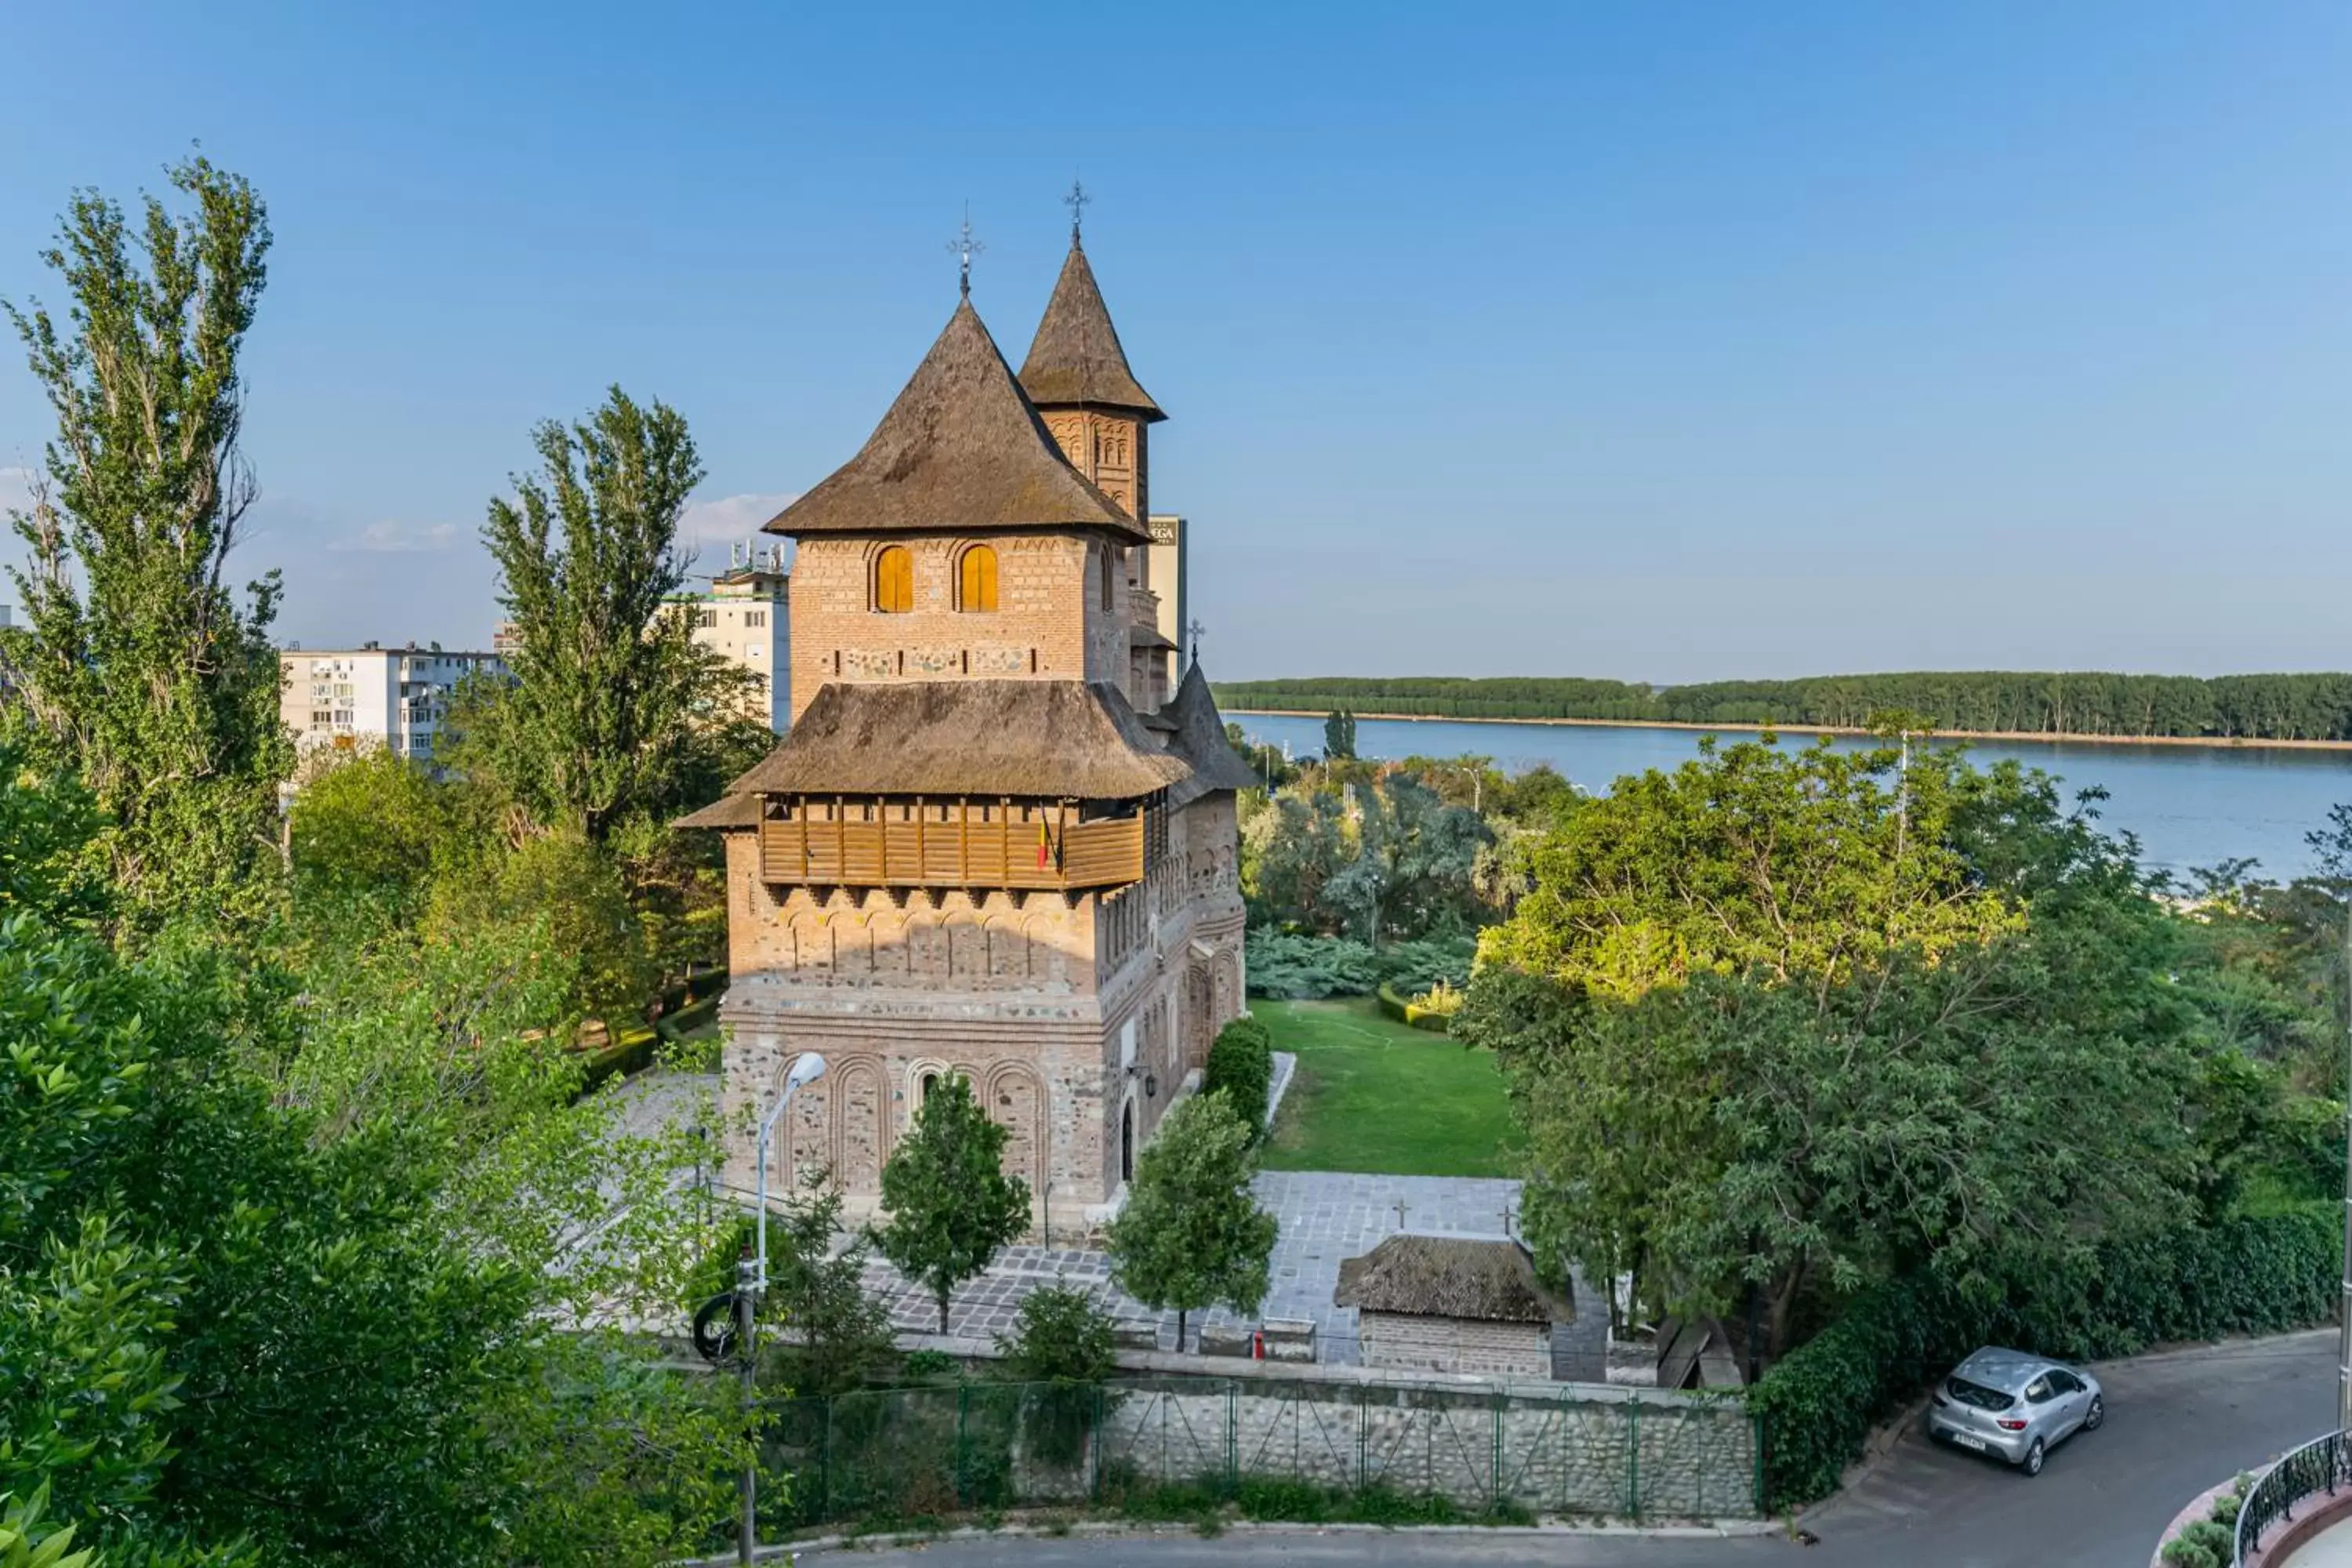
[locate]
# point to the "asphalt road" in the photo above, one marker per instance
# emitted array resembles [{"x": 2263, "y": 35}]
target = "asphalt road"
[{"x": 2176, "y": 1424}]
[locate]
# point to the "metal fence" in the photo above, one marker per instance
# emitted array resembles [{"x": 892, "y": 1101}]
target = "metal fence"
[
  {"x": 913, "y": 1453},
  {"x": 2321, "y": 1466}
]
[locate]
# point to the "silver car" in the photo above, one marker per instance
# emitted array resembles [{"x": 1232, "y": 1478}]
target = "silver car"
[{"x": 2014, "y": 1406}]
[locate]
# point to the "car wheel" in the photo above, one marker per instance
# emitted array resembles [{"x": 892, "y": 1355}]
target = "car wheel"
[
  {"x": 2096, "y": 1415},
  {"x": 2032, "y": 1463}
]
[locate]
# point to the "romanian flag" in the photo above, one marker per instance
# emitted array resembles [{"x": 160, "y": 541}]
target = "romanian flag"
[{"x": 1045, "y": 847}]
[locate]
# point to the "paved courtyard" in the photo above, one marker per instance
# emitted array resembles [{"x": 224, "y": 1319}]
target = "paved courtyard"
[{"x": 1325, "y": 1217}]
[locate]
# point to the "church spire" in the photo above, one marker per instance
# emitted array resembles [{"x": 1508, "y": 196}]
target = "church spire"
[{"x": 1075, "y": 359}]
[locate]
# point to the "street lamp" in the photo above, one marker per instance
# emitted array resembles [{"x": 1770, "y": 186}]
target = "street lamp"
[{"x": 751, "y": 1284}]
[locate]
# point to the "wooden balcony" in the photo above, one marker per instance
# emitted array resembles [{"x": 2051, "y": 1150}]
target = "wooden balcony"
[{"x": 1044, "y": 849}]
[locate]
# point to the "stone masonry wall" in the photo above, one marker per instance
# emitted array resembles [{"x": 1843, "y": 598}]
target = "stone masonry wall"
[
  {"x": 1454, "y": 1344},
  {"x": 1025, "y": 996},
  {"x": 1566, "y": 1453}
]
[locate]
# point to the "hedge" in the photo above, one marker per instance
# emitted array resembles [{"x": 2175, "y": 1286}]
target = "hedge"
[
  {"x": 1413, "y": 1013},
  {"x": 1241, "y": 1063},
  {"x": 2252, "y": 1274}
]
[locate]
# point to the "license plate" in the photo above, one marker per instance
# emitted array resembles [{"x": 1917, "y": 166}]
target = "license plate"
[{"x": 1965, "y": 1441}]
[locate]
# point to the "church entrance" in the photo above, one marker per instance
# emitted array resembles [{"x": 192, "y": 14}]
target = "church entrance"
[{"x": 1127, "y": 1143}]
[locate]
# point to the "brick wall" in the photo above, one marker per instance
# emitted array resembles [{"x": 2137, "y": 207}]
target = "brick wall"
[{"x": 1050, "y": 622}]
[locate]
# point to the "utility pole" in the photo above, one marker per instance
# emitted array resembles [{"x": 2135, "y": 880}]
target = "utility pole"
[
  {"x": 746, "y": 1297},
  {"x": 2344, "y": 1306}
]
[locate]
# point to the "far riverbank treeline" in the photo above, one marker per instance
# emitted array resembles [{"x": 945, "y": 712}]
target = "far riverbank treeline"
[{"x": 2185, "y": 706}]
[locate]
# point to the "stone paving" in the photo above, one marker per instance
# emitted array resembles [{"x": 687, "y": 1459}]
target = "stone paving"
[{"x": 1326, "y": 1217}]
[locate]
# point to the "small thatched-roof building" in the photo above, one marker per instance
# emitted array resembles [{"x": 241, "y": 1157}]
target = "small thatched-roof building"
[{"x": 1453, "y": 1303}]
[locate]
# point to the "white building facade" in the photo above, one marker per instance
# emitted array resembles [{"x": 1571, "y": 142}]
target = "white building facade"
[
  {"x": 373, "y": 696},
  {"x": 746, "y": 619}
]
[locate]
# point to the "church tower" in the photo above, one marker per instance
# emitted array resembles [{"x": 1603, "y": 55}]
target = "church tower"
[
  {"x": 995, "y": 845},
  {"x": 1078, "y": 377}
]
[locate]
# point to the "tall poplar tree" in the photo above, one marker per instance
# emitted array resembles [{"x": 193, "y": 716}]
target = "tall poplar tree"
[
  {"x": 614, "y": 711},
  {"x": 141, "y": 669}
]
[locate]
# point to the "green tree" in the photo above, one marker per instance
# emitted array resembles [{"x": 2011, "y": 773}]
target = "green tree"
[
  {"x": 569, "y": 891},
  {"x": 1416, "y": 862},
  {"x": 1192, "y": 1235},
  {"x": 1775, "y": 1026},
  {"x": 368, "y": 825},
  {"x": 1339, "y": 736},
  {"x": 949, "y": 1202},
  {"x": 1060, "y": 1334},
  {"x": 1753, "y": 860},
  {"x": 840, "y": 1333},
  {"x": 326, "y": 1275},
  {"x": 614, "y": 712},
  {"x": 1291, "y": 847},
  {"x": 142, "y": 669}
]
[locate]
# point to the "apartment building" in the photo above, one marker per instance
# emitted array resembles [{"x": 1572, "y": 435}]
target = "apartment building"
[
  {"x": 746, "y": 619},
  {"x": 395, "y": 698}
]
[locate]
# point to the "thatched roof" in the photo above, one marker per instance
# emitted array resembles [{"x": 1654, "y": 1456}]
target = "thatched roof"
[
  {"x": 1489, "y": 1280},
  {"x": 962, "y": 449},
  {"x": 1076, "y": 358},
  {"x": 1037, "y": 739},
  {"x": 1200, "y": 738},
  {"x": 727, "y": 811}
]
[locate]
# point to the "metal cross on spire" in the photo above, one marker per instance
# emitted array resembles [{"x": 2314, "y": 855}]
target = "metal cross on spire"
[
  {"x": 964, "y": 247},
  {"x": 1076, "y": 202},
  {"x": 1194, "y": 632}
]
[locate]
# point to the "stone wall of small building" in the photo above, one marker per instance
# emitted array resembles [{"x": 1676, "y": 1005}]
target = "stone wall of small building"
[{"x": 1412, "y": 1342}]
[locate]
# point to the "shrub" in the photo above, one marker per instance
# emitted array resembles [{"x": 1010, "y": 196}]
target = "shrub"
[
  {"x": 2182, "y": 1552},
  {"x": 2219, "y": 1539},
  {"x": 1060, "y": 1335},
  {"x": 1418, "y": 1013},
  {"x": 2226, "y": 1509},
  {"x": 1419, "y": 965},
  {"x": 1295, "y": 968},
  {"x": 2251, "y": 1274},
  {"x": 930, "y": 1366},
  {"x": 1308, "y": 968},
  {"x": 1241, "y": 1064}
]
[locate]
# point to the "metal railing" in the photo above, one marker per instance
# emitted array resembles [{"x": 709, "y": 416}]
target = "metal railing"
[{"x": 2323, "y": 1466}]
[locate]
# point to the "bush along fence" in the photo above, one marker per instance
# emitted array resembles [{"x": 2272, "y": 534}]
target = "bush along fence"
[
  {"x": 902, "y": 1455},
  {"x": 2256, "y": 1274}
]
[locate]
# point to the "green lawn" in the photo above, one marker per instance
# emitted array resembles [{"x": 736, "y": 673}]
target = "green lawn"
[{"x": 1373, "y": 1095}]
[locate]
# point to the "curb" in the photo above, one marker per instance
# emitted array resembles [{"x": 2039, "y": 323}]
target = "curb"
[{"x": 1726, "y": 1529}]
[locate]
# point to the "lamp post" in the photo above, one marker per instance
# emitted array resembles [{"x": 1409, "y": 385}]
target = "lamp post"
[{"x": 751, "y": 1284}]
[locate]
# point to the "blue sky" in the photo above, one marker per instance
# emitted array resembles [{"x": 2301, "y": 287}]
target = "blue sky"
[{"x": 1661, "y": 341}]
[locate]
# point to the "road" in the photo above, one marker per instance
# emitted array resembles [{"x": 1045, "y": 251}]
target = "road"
[{"x": 2176, "y": 1424}]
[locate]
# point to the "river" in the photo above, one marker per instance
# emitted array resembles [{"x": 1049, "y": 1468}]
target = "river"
[{"x": 2189, "y": 806}]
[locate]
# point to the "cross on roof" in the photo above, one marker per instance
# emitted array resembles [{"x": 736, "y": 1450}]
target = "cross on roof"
[
  {"x": 1076, "y": 202},
  {"x": 964, "y": 247}
]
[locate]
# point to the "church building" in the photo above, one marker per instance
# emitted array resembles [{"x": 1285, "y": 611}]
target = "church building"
[{"x": 997, "y": 841}]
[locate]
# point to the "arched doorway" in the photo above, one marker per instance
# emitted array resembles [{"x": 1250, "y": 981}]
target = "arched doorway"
[{"x": 1127, "y": 1143}]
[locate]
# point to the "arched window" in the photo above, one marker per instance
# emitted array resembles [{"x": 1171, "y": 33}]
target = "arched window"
[
  {"x": 979, "y": 579},
  {"x": 1109, "y": 553},
  {"x": 893, "y": 581}
]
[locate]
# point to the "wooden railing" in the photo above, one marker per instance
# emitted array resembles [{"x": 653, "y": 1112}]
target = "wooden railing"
[{"x": 962, "y": 853}]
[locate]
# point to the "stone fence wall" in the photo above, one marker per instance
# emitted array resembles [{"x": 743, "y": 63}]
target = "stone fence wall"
[{"x": 1552, "y": 1449}]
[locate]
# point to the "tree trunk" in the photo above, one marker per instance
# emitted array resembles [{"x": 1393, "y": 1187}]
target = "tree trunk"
[
  {"x": 943, "y": 1312},
  {"x": 1179, "y": 1331}
]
